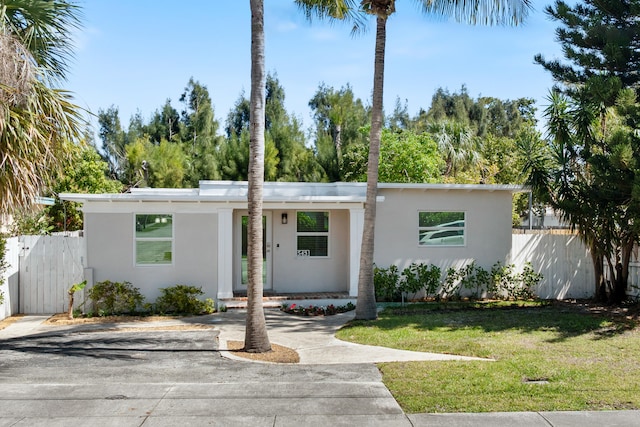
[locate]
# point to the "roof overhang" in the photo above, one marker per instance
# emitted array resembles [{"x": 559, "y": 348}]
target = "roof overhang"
[{"x": 274, "y": 193}]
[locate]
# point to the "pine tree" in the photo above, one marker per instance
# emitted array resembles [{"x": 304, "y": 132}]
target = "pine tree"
[{"x": 598, "y": 38}]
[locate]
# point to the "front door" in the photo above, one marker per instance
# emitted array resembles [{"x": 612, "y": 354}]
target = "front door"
[{"x": 243, "y": 275}]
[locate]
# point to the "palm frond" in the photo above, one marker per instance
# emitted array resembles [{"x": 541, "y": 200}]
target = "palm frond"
[
  {"x": 44, "y": 28},
  {"x": 34, "y": 144},
  {"x": 335, "y": 11},
  {"x": 483, "y": 12}
]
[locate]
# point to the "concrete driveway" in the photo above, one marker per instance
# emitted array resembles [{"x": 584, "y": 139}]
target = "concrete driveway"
[{"x": 85, "y": 375}]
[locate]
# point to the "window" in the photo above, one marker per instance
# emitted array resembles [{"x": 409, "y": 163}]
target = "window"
[
  {"x": 154, "y": 239},
  {"x": 313, "y": 234},
  {"x": 441, "y": 229}
]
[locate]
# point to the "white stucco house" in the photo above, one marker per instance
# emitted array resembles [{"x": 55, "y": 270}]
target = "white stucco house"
[{"x": 156, "y": 238}]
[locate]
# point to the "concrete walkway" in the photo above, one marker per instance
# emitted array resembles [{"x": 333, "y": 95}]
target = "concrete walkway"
[
  {"x": 314, "y": 339},
  {"x": 73, "y": 376}
]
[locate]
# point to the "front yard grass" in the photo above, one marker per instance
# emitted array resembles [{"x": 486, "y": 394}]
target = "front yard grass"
[{"x": 548, "y": 356}]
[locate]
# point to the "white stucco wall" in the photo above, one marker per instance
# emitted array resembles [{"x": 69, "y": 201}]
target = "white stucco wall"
[
  {"x": 198, "y": 251},
  {"x": 292, "y": 274},
  {"x": 488, "y": 227},
  {"x": 110, "y": 252}
]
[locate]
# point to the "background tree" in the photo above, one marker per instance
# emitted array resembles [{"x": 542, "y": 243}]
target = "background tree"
[
  {"x": 473, "y": 12},
  {"x": 165, "y": 124},
  {"x": 35, "y": 46},
  {"x": 86, "y": 173},
  {"x": 458, "y": 147},
  {"x": 114, "y": 140},
  {"x": 137, "y": 173},
  {"x": 408, "y": 157},
  {"x": 338, "y": 117},
  {"x": 200, "y": 139},
  {"x": 256, "y": 337},
  {"x": 591, "y": 176},
  {"x": 167, "y": 165},
  {"x": 296, "y": 162},
  {"x": 598, "y": 38},
  {"x": 159, "y": 166},
  {"x": 287, "y": 158}
]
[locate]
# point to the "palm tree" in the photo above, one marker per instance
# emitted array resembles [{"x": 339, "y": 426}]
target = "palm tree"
[
  {"x": 487, "y": 12},
  {"x": 456, "y": 144},
  {"x": 256, "y": 338},
  {"x": 37, "y": 121}
]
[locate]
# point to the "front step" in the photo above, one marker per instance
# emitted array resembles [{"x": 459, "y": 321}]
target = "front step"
[{"x": 239, "y": 301}]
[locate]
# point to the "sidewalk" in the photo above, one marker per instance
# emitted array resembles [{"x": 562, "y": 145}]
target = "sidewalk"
[{"x": 122, "y": 378}]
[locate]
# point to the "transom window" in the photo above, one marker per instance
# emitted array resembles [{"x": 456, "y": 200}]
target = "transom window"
[
  {"x": 441, "y": 228},
  {"x": 154, "y": 239},
  {"x": 312, "y": 229}
]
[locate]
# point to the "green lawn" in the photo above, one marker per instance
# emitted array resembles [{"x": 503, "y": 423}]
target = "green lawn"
[{"x": 557, "y": 356}]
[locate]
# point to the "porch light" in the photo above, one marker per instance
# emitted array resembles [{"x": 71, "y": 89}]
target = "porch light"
[{"x": 285, "y": 219}]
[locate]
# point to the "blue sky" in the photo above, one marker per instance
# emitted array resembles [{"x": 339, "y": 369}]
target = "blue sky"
[{"x": 135, "y": 54}]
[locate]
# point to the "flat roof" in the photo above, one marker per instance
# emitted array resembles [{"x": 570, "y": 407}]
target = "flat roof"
[{"x": 274, "y": 192}]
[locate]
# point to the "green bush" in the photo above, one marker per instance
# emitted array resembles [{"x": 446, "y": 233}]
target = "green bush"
[
  {"x": 509, "y": 285},
  {"x": 451, "y": 286},
  {"x": 385, "y": 282},
  {"x": 502, "y": 282},
  {"x": 420, "y": 277},
  {"x": 115, "y": 298},
  {"x": 183, "y": 299},
  {"x": 474, "y": 278}
]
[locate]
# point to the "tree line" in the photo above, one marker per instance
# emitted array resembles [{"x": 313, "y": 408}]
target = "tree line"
[{"x": 456, "y": 139}]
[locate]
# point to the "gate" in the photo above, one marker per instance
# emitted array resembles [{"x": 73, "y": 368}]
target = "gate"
[{"x": 48, "y": 266}]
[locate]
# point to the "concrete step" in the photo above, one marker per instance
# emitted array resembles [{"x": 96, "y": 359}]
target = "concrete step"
[{"x": 276, "y": 301}]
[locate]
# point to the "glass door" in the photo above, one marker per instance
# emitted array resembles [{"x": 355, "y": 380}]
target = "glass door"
[{"x": 266, "y": 250}]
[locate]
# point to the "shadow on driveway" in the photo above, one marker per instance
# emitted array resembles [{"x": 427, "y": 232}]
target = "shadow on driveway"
[{"x": 113, "y": 345}]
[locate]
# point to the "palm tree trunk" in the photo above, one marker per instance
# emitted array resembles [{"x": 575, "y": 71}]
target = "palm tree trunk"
[
  {"x": 256, "y": 338},
  {"x": 366, "y": 303}
]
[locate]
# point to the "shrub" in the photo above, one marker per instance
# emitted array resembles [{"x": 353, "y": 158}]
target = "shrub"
[
  {"x": 420, "y": 276},
  {"x": 472, "y": 277},
  {"x": 385, "y": 282},
  {"x": 314, "y": 310},
  {"x": 529, "y": 280},
  {"x": 451, "y": 285},
  {"x": 507, "y": 284},
  {"x": 183, "y": 299},
  {"x": 115, "y": 298}
]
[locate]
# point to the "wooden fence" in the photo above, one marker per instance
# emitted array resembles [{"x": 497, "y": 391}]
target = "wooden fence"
[
  {"x": 42, "y": 269},
  {"x": 562, "y": 259}
]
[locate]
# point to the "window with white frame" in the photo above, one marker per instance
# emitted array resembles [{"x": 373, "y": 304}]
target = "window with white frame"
[
  {"x": 312, "y": 233},
  {"x": 441, "y": 228},
  {"x": 154, "y": 239}
]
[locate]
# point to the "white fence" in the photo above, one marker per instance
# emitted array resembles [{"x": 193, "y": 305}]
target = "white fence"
[
  {"x": 633, "y": 282},
  {"x": 563, "y": 260},
  {"x": 41, "y": 270}
]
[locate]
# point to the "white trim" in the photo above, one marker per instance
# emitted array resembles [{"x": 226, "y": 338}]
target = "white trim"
[
  {"x": 356, "y": 225},
  {"x": 274, "y": 192},
  {"x": 225, "y": 253},
  {"x": 464, "y": 229},
  {"x": 137, "y": 239},
  {"x": 449, "y": 187},
  {"x": 170, "y": 206},
  {"x": 314, "y": 233}
]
